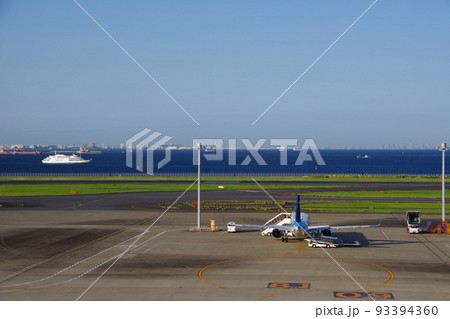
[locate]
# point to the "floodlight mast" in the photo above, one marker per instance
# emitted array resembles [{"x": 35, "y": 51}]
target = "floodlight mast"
[
  {"x": 198, "y": 189},
  {"x": 443, "y": 147}
]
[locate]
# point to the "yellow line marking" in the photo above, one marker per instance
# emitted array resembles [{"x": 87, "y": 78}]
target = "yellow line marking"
[
  {"x": 375, "y": 265},
  {"x": 300, "y": 248},
  {"x": 277, "y": 294},
  {"x": 200, "y": 274},
  {"x": 441, "y": 295}
]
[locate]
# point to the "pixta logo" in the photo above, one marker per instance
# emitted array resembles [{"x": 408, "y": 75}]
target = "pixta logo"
[
  {"x": 147, "y": 140},
  {"x": 282, "y": 144},
  {"x": 141, "y": 141}
]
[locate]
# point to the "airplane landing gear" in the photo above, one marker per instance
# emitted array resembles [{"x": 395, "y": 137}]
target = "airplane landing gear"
[{"x": 284, "y": 239}]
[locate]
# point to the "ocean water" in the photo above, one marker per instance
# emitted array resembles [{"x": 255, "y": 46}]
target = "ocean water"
[{"x": 113, "y": 162}]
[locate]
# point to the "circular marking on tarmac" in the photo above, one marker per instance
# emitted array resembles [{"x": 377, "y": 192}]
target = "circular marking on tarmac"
[
  {"x": 201, "y": 272},
  {"x": 391, "y": 274}
]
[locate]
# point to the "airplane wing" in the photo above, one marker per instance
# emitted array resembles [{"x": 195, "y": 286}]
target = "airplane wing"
[
  {"x": 355, "y": 226},
  {"x": 280, "y": 227},
  {"x": 319, "y": 228}
]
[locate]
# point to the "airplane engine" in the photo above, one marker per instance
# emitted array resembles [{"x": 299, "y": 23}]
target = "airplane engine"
[
  {"x": 276, "y": 233},
  {"x": 326, "y": 232}
]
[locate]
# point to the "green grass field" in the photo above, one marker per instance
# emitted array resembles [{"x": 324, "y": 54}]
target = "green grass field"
[
  {"x": 309, "y": 206},
  {"x": 67, "y": 189},
  {"x": 385, "y": 194},
  {"x": 366, "y": 206},
  {"x": 323, "y": 178},
  {"x": 375, "y": 207}
]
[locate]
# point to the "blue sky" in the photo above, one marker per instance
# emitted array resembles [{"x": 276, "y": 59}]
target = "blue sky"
[{"x": 386, "y": 81}]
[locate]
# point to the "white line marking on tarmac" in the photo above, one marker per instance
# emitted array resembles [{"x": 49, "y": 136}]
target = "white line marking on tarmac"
[
  {"x": 71, "y": 266},
  {"x": 152, "y": 247},
  {"x": 221, "y": 234},
  {"x": 77, "y": 263},
  {"x": 385, "y": 236},
  {"x": 149, "y": 227}
]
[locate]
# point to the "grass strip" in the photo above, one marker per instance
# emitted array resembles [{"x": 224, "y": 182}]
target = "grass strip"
[
  {"x": 84, "y": 189},
  {"x": 382, "y": 194},
  {"x": 319, "y": 178},
  {"x": 308, "y": 206}
]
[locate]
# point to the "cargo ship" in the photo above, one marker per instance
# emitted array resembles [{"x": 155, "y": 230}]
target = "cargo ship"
[{"x": 20, "y": 153}]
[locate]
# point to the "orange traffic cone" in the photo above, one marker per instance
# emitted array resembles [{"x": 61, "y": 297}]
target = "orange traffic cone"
[
  {"x": 445, "y": 227},
  {"x": 212, "y": 225}
]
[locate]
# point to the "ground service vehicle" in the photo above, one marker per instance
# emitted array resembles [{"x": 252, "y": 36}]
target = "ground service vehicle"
[{"x": 413, "y": 221}]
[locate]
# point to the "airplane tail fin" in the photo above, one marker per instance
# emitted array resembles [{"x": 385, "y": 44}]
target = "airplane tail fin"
[{"x": 297, "y": 210}]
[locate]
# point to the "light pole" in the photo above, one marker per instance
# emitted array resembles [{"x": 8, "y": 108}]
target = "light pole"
[
  {"x": 443, "y": 147},
  {"x": 198, "y": 189}
]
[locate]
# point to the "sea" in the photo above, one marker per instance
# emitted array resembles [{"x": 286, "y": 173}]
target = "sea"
[{"x": 243, "y": 163}]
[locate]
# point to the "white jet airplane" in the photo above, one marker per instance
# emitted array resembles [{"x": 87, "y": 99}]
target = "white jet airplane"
[{"x": 299, "y": 226}]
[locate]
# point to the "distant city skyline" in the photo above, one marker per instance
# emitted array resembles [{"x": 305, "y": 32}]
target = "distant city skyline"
[
  {"x": 64, "y": 80},
  {"x": 5, "y": 147}
]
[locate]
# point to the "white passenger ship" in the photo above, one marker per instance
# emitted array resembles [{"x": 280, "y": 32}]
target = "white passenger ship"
[{"x": 65, "y": 159}]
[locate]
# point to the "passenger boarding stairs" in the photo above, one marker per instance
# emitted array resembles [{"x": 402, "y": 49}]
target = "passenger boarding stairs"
[{"x": 283, "y": 219}]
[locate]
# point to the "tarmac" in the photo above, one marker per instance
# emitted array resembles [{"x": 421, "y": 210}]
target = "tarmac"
[{"x": 113, "y": 247}]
